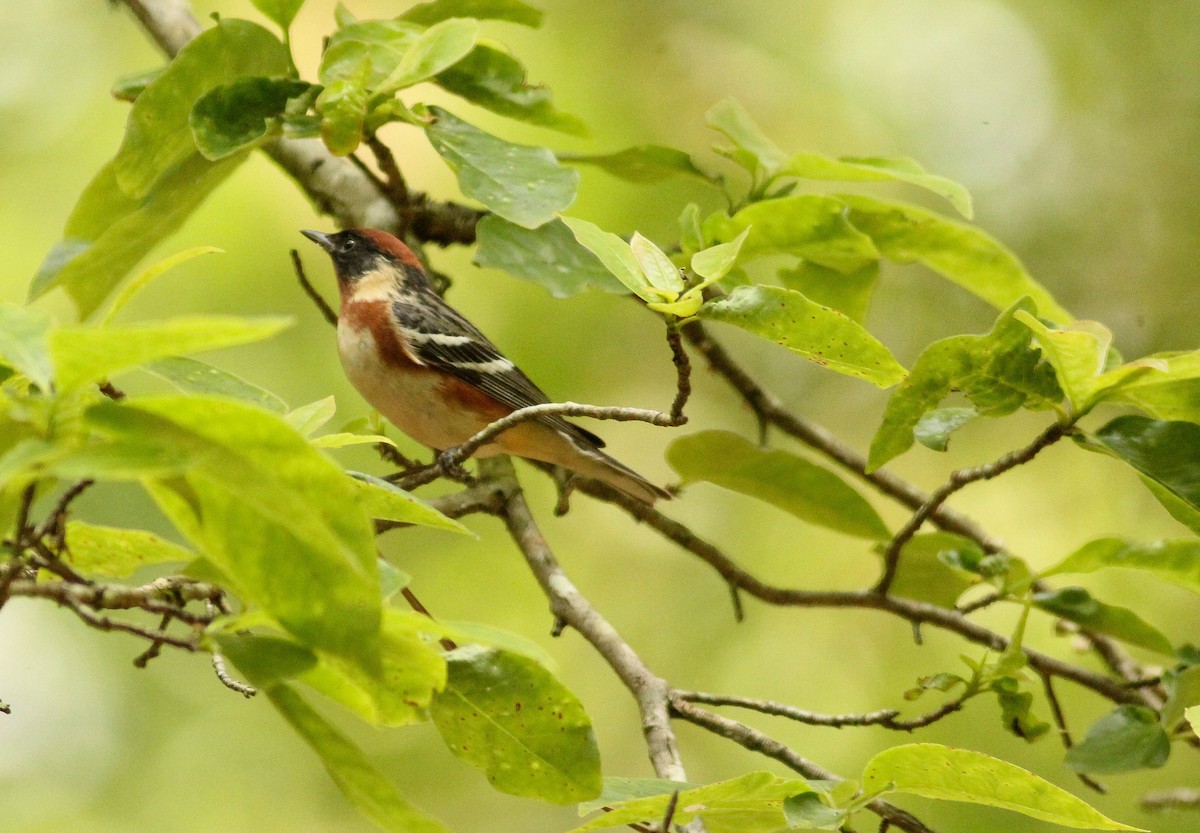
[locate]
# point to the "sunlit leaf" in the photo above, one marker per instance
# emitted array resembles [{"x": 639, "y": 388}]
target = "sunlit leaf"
[
  {"x": 731, "y": 119},
  {"x": 438, "y": 48},
  {"x": 846, "y": 292},
  {"x": 926, "y": 572},
  {"x": 365, "y": 53},
  {"x": 363, "y": 785},
  {"x": 308, "y": 418},
  {"x": 24, "y": 345},
  {"x": 619, "y": 790},
  {"x": 387, "y": 501},
  {"x": 998, "y": 372},
  {"x": 282, "y": 12},
  {"x": 506, "y": 715},
  {"x": 150, "y": 275},
  {"x": 643, "y": 163},
  {"x": 660, "y": 272},
  {"x": 613, "y": 252},
  {"x": 935, "y": 771},
  {"x": 714, "y": 263},
  {"x": 522, "y": 184},
  {"x": 196, "y": 377},
  {"x": 89, "y": 354},
  {"x": 343, "y": 109},
  {"x": 811, "y": 226},
  {"x": 877, "y": 168},
  {"x": 548, "y": 255},
  {"x": 512, "y": 11},
  {"x": 1183, "y": 691},
  {"x": 1127, "y": 738},
  {"x": 1176, "y": 561},
  {"x": 759, "y": 795},
  {"x": 791, "y": 483},
  {"x": 822, "y": 335},
  {"x": 116, "y": 553},
  {"x": 959, "y": 252}
]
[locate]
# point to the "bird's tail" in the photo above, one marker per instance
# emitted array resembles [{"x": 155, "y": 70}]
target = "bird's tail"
[{"x": 594, "y": 463}]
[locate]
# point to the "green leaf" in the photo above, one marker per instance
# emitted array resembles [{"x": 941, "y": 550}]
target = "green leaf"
[
  {"x": 483, "y": 634},
  {"x": 808, "y": 811},
  {"x": 308, "y": 418},
  {"x": 926, "y": 572},
  {"x": 1079, "y": 354},
  {"x": 714, "y": 263},
  {"x": 150, "y": 275},
  {"x": 791, "y": 483},
  {"x": 1016, "y": 713},
  {"x": 1176, "y": 561},
  {"x": 812, "y": 226},
  {"x": 364, "y": 54},
  {"x": 412, "y": 670},
  {"x": 657, "y": 268},
  {"x": 614, "y": 253},
  {"x": 1167, "y": 453},
  {"x": 1183, "y": 691},
  {"x": 942, "y": 772},
  {"x": 343, "y": 439},
  {"x": 958, "y": 252},
  {"x": 1173, "y": 394},
  {"x": 89, "y": 354},
  {"x": 998, "y": 372},
  {"x": 522, "y": 184},
  {"x": 363, "y": 785},
  {"x": 438, "y": 48},
  {"x": 266, "y": 660},
  {"x": 116, "y": 553},
  {"x": 343, "y": 109},
  {"x": 643, "y": 163},
  {"x": 1193, "y": 719},
  {"x": 548, "y": 255},
  {"x": 157, "y": 139},
  {"x": 506, "y": 715},
  {"x": 387, "y": 501},
  {"x": 512, "y": 11},
  {"x": 495, "y": 80},
  {"x": 277, "y": 517},
  {"x": 24, "y": 345},
  {"x": 196, "y": 377},
  {"x": 108, "y": 232},
  {"x": 240, "y": 115},
  {"x": 849, "y": 293},
  {"x": 877, "y": 169},
  {"x": 1125, "y": 739},
  {"x": 129, "y": 87},
  {"x": 1077, "y": 605},
  {"x": 821, "y": 335},
  {"x": 281, "y": 12},
  {"x": 755, "y": 797},
  {"x": 731, "y": 119},
  {"x": 934, "y": 428},
  {"x": 619, "y": 790}
]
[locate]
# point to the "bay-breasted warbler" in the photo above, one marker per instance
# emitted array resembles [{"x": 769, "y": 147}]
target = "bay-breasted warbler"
[{"x": 434, "y": 375}]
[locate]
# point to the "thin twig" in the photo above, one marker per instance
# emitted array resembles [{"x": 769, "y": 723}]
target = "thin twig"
[
  {"x": 566, "y": 603},
  {"x": 669, "y": 815},
  {"x": 311, "y": 291},
  {"x": 887, "y": 718},
  {"x": 683, "y": 374},
  {"x": 958, "y": 480},
  {"x": 227, "y": 680},
  {"x": 1064, "y": 734},
  {"x": 55, "y": 521},
  {"x": 756, "y": 741},
  {"x": 1180, "y": 798}
]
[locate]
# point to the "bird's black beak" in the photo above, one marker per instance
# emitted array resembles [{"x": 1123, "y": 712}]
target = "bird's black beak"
[{"x": 325, "y": 241}]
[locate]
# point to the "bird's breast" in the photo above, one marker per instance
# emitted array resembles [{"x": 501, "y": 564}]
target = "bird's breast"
[{"x": 425, "y": 404}]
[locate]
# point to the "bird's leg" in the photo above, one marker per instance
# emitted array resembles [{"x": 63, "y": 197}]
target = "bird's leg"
[{"x": 566, "y": 482}]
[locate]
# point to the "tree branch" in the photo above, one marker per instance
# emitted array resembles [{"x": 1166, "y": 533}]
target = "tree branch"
[
  {"x": 756, "y": 741},
  {"x": 887, "y": 718}
]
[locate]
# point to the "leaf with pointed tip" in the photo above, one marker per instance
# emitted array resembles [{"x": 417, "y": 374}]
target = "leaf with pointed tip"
[
  {"x": 242, "y": 114},
  {"x": 508, "y": 716},
  {"x": 1079, "y": 606},
  {"x": 548, "y": 255},
  {"x": 660, "y": 272},
  {"x": 1167, "y": 453},
  {"x": 196, "y": 377},
  {"x": 24, "y": 345},
  {"x": 959, "y": 252},
  {"x": 310, "y": 417},
  {"x": 1176, "y": 561},
  {"x": 365, "y": 53},
  {"x": 877, "y": 169},
  {"x": 614, "y": 253},
  {"x": 731, "y": 119},
  {"x": 117, "y": 553},
  {"x": 714, "y": 263},
  {"x": 282, "y": 12},
  {"x": 643, "y": 163},
  {"x": 494, "y": 79},
  {"x": 822, "y": 335},
  {"x": 998, "y": 372},
  {"x": 386, "y": 501},
  {"x": 438, "y": 48},
  {"x": 935, "y": 771},
  {"x": 1125, "y": 739},
  {"x": 522, "y": 184},
  {"x": 511, "y": 11},
  {"x": 150, "y": 275},
  {"x": 791, "y": 483}
]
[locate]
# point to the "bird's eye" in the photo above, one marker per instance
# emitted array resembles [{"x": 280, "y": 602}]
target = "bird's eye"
[{"x": 348, "y": 244}]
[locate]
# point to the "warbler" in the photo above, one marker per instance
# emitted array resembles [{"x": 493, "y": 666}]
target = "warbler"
[{"x": 434, "y": 375}]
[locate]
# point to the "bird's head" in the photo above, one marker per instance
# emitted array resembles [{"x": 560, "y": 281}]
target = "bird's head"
[{"x": 370, "y": 256}]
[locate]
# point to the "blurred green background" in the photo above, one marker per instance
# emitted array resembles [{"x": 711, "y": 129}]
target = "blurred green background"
[{"x": 1074, "y": 124}]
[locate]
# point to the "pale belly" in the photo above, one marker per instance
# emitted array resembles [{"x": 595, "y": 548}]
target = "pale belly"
[{"x": 408, "y": 398}]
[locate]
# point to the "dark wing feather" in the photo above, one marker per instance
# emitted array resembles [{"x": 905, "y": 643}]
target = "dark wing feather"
[{"x": 466, "y": 357}]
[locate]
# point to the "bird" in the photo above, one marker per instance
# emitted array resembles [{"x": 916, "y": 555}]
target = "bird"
[{"x": 435, "y": 376}]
